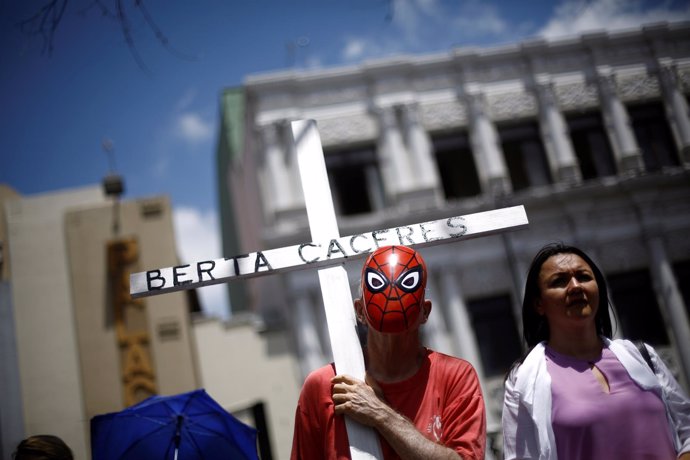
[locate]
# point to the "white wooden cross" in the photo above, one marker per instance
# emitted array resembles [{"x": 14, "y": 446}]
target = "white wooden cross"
[{"x": 327, "y": 251}]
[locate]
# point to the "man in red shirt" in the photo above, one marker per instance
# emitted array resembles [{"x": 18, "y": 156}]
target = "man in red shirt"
[{"x": 423, "y": 404}]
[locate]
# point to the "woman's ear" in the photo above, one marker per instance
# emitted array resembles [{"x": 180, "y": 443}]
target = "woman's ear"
[{"x": 538, "y": 307}]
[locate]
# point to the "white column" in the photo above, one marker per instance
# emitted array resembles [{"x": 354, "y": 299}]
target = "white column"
[
  {"x": 554, "y": 130},
  {"x": 395, "y": 165},
  {"x": 278, "y": 185},
  {"x": 465, "y": 339},
  {"x": 306, "y": 334},
  {"x": 666, "y": 285},
  {"x": 491, "y": 166},
  {"x": 419, "y": 146},
  {"x": 459, "y": 319},
  {"x": 436, "y": 333},
  {"x": 676, "y": 109},
  {"x": 628, "y": 156},
  {"x": 292, "y": 170}
]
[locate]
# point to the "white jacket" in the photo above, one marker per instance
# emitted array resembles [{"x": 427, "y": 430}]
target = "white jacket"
[{"x": 527, "y": 430}]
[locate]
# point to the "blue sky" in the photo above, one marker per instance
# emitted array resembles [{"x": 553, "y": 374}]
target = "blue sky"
[{"x": 57, "y": 108}]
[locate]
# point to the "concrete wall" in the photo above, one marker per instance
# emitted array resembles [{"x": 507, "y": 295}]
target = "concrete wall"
[
  {"x": 149, "y": 222},
  {"x": 67, "y": 361},
  {"x": 240, "y": 366},
  {"x": 11, "y": 420},
  {"x": 49, "y": 369}
]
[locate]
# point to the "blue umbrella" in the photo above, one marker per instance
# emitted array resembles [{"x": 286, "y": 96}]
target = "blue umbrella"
[{"x": 188, "y": 426}]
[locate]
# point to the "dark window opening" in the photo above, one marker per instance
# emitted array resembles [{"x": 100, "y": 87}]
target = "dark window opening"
[
  {"x": 591, "y": 146},
  {"x": 497, "y": 334},
  {"x": 637, "y": 308},
  {"x": 355, "y": 181},
  {"x": 525, "y": 156},
  {"x": 456, "y": 166},
  {"x": 653, "y": 136},
  {"x": 262, "y": 433},
  {"x": 681, "y": 270},
  {"x": 193, "y": 301}
]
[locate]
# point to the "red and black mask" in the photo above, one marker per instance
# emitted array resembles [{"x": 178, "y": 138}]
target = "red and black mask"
[{"x": 393, "y": 284}]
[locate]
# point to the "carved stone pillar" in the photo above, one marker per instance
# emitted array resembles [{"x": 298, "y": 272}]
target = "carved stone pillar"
[
  {"x": 555, "y": 136},
  {"x": 394, "y": 160},
  {"x": 420, "y": 149},
  {"x": 463, "y": 334},
  {"x": 621, "y": 134},
  {"x": 277, "y": 184},
  {"x": 309, "y": 349},
  {"x": 435, "y": 330},
  {"x": 676, "y": 109},
  {"x": 666, "y": 285},
  {"x": 491, "y": 166}
]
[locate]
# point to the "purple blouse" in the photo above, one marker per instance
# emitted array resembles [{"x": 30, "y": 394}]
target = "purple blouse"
[{"x": 589, "y": 423}]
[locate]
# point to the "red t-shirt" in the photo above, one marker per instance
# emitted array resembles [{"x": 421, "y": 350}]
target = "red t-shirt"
[{"x": 443, "y": 400}]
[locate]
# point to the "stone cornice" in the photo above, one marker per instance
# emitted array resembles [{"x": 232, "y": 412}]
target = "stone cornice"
[{"x": 619, "y": 45}]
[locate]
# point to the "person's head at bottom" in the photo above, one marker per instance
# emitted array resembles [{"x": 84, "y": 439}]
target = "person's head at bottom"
[
  {"x": 393, "y": 287},
  {"x": 42, "y": 447},
  {"x": 565, "y": 292}
]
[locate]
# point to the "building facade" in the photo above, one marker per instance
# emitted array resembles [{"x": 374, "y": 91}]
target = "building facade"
[
  {"x": 74, "y": 344},
  {"x": 591, "y": 134}
]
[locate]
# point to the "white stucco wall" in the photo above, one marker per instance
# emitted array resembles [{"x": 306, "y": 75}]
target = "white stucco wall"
[
  {"x": 240, "y": 366},
  {"x": 45, "y": 329}
]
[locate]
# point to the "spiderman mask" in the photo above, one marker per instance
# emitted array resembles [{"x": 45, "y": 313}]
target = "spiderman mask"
[{"x": 393, "y": 284}]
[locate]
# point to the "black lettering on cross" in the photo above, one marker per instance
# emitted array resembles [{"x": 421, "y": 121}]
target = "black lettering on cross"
[
  {"x": 375, "y": 234},
  {"x": 200, "y": 271},
  {"x": 335, "y": 247},
  {"x": 177, "y": 275},
  {"x": 452, "y": 222},
  {"x": 352, "y": 244},
  {"x": 407, "y": 237},
  {"x": 301, "y": 255},
  {"x": 261, "y": 261},
  {"x": 150, "y": 279},
  {"x": 236, "y": 264}
]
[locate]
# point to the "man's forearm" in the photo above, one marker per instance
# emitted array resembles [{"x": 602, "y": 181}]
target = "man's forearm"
[{"x": 407, "y": 441}]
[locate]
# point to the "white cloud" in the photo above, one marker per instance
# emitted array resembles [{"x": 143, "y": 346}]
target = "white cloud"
[
  {"x": 421, "y": 26},
  {"x": 408, "y": 14},
  {"x": 354, "y": 49},
  {"x": 313, "y": 62},
  {"x": 192, "y": 127},
  {"x": 430, "y": 25},
  {"x": 186, "y": 100},
  {"x": 480, "y": 19},
  {"x": 574, "y": 17},
  {"x": 198, "y": 238}
]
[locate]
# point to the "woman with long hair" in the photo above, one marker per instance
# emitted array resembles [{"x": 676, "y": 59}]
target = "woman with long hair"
[{"x": 578, "y": 394}]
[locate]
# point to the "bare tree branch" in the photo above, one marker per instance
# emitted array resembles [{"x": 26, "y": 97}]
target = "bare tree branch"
[
  {"x": 162, "y": 38},
  {"x": 124, "y": 25},
  {"x": 102, "y": 7},
  {"x": 44, "y": 23}
]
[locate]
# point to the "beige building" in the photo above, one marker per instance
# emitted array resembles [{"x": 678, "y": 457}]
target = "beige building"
[
  {"x": 81, "y": 352},
  {"x": 47, "y": 365},
  {"x": 591, "y": 134},
  {"x": 74, "y": 345},
  {"x": 252, "y": 372}
]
